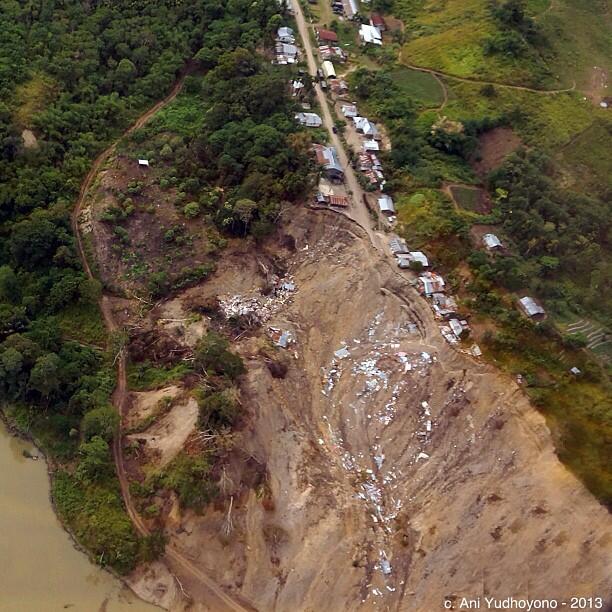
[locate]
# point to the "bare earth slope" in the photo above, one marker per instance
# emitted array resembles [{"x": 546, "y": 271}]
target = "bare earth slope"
[{"x": 400, "y": 472}]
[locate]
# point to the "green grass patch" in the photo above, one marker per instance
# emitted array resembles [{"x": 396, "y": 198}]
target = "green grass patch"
[
  {"x": 184, "y": 116},
  {"x": 467, "y": 198},
  {"x": 82, "y": 322},
  {"x": 32, "y": 97},
  {"x": 145, "y": 376},
  {"x": 586, "y": 161},
  {"x": 420, "y": 86}
]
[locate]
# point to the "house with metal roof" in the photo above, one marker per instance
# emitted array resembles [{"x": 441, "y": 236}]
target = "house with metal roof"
[
  {"x": 349, "y": 110},
  {"x": 397, "y": 245},
  {"x": 328, "y": 69},
  {"x": 285, "y": 34},
  {"x": 385, "y": 204},
  {"x": 369, "y": 34},
  {"x": 491, "y": 241},
  {"x": 309, "y": 119},
  {"x": 532, "y": 308},
  {"x": 429, "y": 283},
  {"x": 406, "y": 260},
  {"x": 328, "y": 158},
  {"x": 326, "y": 36},
  {"x": 364, "y": 126}
]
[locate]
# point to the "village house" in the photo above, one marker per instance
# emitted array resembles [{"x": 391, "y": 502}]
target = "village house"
[
  {"x": 397, "y": 245},
  {"x": 327, "y": 157},
  {"x": 366, "y": 127},
  {"x": 338, "y": 86},
  {"x": 349, "y": 110},
  {"x": 385, "y": 204},
  {"x": 532, "y": 308},
  {"x": 309, "y": 119},
  {"x": 326, "y": 36},
  {"x": 461, "y": 329},
  {"x": 286, "y": 53},
  {"x": 369, "y": 35},
  {"x": 285, "y": 34},
  {"x": 430, "y": 282},
  {"x": 492, "y": 242},
  {"x": 444, "y": 306},
  {"x": 332, "y": 53},
  {"x": 406, "y": 260},
  {"x": 378, "y": 22},
  {"x": 328, "y": 70},
  {"x": 371, "y": 145},
  {"x": 143, "y": 163}
]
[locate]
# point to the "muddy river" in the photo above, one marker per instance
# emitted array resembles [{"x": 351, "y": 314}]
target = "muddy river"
[{"x": 40, "y": 570}]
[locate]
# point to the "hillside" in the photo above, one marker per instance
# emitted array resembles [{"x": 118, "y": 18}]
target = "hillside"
[{"x": 265, "y": 314}]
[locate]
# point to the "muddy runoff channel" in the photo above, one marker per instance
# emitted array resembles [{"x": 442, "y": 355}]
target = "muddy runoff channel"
[{"x": 40, "y": 569}]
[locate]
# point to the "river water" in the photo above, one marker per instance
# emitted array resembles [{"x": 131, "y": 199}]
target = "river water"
[{"x": 40, "y": 569}]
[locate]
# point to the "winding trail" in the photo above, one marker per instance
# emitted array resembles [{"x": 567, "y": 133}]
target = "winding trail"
[
  {"x": 474, "y": 81},
  {"x": 215, "y": 596}
]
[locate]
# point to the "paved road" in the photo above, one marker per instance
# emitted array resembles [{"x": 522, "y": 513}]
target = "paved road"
[
  {"x": 208, "y": 590},
  {"x": 358, "y": 210}
]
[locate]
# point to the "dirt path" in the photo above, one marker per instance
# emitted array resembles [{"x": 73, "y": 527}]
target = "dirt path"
[
  {"x": 216, "y": 597},
  {"x": 358, "y": 210},
  {"x": 446, "y": 75}
]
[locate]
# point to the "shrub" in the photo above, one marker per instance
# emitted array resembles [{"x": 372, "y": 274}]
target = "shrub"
[
  {"x": 212, "y": 354},
  {"x": 191, "y": 210},
  {"x": 189, "y": 478},
  {"x": 219, "y": 409},
  {"x": 102, "y": 422}
]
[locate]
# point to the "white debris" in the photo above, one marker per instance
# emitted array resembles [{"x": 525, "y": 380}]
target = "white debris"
[
  {"x": 422, "y": 456},
  {"x": 342, "y": 353}
]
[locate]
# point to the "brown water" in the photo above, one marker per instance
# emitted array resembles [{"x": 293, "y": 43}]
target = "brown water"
[{"x": 40, "y": 570}]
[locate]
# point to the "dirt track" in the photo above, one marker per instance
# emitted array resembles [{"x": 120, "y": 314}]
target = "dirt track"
[{"x": 214, "y": 595}]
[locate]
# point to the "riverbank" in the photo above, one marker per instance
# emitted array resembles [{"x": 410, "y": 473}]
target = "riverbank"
[{"x": 46, "y": 562}]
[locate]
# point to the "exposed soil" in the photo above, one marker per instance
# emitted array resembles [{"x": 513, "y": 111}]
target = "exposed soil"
[
  {"x": 161, "y": 238},
  {"x": 493, "y": 147},
  {"x": 396, "y": 473},
  {"x": 598, "y": 85}
]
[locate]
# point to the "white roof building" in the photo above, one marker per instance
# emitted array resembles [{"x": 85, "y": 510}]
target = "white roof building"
[
  {"x": 430, "y": 282},
  {"x": 143, "y": 162},
  {"x": 328, "y": 69},
  {"x": 309, "y": 119},
  {"x": 385, "y": 203},
  {"x": 491, "y": 241},
  {"x": 370, "y": 35},
  {"x": 366, "y": 127},
  {"x": 531, "y": 308},
  {"x": 349, "y": 110},
  {"x": 285, "y": 34},
  {"x": 371, "y": 145}
]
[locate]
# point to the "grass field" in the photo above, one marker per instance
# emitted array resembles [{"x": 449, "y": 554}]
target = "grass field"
[
  {"x": 32, "y": 96},
  {"x": 586, "y": 163},
  {"x": 420, "y": 86},
  {"x": 467, "y": 198}
]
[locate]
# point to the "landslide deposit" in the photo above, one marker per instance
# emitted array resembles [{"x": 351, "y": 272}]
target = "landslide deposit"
[{"x": 392, "y": 470}]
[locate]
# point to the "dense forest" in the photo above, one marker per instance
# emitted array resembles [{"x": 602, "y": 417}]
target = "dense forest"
[{"x": 73, "y": 76}]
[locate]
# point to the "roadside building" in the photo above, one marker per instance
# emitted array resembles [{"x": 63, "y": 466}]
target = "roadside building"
[
  {"x": 328, "y": 70},
  {"x": 364, "y": 126},
  {"x": 309, "y": 119},
  {"x": 532, "y": 308},
  {"x": 369, "y": 35},
  {"x": 385, "y": 204},
  {"x": 327, "y": 157},
  {"x": 378, "y": 22},
  {"x": 371, "y": 145},
  {"x": 444, "y": 306},
  {"x": 407, "y": 260},
  {"x": 285, "y": 34},
  {"x": 492, "y": 242},
  {"x": 349, "y": 110},
  {"x": 339, "y": 86},
  {"x": 326, "y": 36},
  {"x": 429, "y": 283},
  {"x": 332, "y": 53},
  {"x": 397, "y": 245},
  {"x": 339, "y": 201},
  {"x": 461, "y": 329}
]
